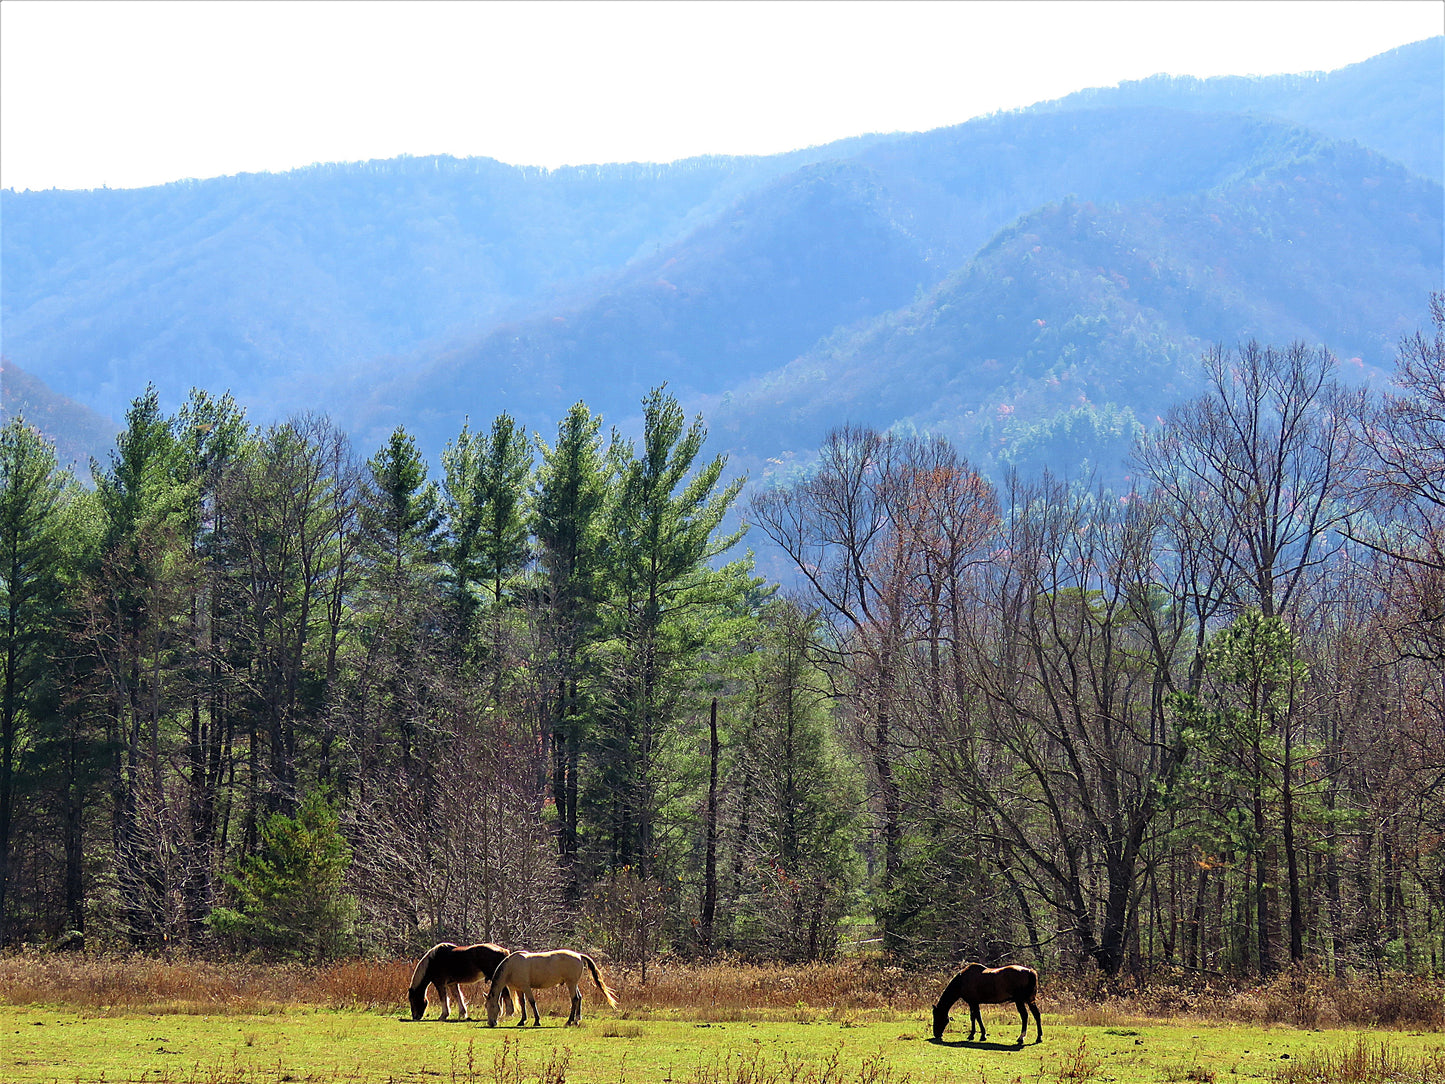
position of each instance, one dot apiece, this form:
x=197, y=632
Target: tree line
x=262, y=694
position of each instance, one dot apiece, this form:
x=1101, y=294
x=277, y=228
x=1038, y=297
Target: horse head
x=494, y=995
x=418, y=1001
x=940, y=1020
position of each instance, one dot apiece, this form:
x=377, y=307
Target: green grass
x=60, y=1045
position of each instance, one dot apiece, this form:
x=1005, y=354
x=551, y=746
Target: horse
x=979, y=985
x=447, y=966
x=528, y=971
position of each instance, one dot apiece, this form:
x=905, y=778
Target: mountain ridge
x=420, y=291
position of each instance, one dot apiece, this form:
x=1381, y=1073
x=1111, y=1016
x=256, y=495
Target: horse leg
x=977, y=1009
x=1038, y=1024
x=1023, y=1021
x=444, y=995
x=575, y=1016
x=462, y=1001
x=974, y=1020
x=531, y=997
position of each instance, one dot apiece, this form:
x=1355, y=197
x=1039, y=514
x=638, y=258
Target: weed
x=507, y=1067
x=1078, y=1066
x=752, y=1066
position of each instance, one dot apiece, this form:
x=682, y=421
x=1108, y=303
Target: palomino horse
x=978, y=985
x=447, y=966
x=528, y=971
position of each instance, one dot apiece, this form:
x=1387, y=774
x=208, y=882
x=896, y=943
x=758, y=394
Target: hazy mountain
x=1277, y=232
x=1082, y=319
x=1391, y=103
x=1032, y=283
x=78, y=433
x=248, y=282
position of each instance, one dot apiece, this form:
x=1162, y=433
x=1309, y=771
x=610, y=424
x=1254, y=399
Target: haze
x=134, y=94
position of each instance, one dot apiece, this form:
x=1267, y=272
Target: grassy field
x=170, y=1024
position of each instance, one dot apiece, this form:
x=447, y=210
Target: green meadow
x=43, y=1045
x=131, y=1019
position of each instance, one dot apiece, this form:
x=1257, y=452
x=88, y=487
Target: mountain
x=78, y=433
x=1391, y=103
x=1034, y=284
x=1092, y=317
x=247, y=282
x=1221, y=226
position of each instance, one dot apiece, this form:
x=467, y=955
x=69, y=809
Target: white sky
x=127, y=94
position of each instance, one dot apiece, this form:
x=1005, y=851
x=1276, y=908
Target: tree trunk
x=709, y=875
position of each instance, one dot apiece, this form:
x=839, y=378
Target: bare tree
x=839, y=527
x=1406, y=476
x=1269, y=456
x=1069, y=750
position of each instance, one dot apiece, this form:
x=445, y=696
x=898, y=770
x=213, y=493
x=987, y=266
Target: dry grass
x=1365, y=1061
x=195, y=986
x=844, y=992
x=1297, y=998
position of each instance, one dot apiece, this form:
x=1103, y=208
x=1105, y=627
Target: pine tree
x=31, y=496
x=290, y=897
x=661, y=521
x=567, y=501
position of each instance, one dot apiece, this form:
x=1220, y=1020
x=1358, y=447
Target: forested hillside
x=270, y=694
x=250, y=282
x=78, y=433
x=1091, y=317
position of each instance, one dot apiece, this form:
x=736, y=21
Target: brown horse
x=528, y=971
x=447, y=966
x=979, y=985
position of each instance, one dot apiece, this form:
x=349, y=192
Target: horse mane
x=509, y=961
x=418, y=977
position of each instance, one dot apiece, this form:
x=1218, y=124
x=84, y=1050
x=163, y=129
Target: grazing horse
x=528, y=971
x=447, y=966
x=979, y=985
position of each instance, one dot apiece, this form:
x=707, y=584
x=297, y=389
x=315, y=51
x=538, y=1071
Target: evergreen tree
x=485, y=491
x=505, y=464
x=214, y=439
x=661, y=521
x=400, y=517
x=1236, y=730
x=31, y=551
x=400, y=525
x=567, y=502
x=136, y=629
x=290, y=897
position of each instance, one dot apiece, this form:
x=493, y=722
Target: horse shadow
x=975, y=1044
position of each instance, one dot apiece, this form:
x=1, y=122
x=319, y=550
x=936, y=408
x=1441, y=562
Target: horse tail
x=418, y=977
x=597, y=978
